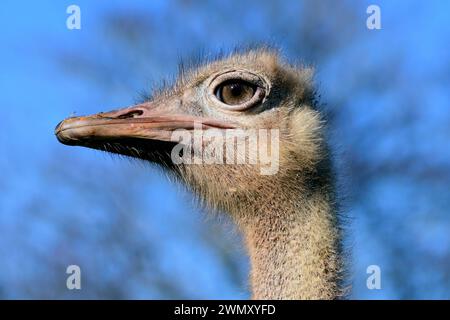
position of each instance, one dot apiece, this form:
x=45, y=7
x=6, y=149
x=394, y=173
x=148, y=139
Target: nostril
x=131, y=114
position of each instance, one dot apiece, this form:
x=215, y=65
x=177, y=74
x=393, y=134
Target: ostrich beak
x=141, y=122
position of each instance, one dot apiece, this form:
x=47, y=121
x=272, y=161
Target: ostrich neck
x=294, y=249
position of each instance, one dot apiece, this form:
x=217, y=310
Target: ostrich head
x=241, y=94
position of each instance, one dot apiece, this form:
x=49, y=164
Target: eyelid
x=261, y=88
x=241, y=75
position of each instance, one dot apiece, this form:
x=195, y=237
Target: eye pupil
x=236, y=89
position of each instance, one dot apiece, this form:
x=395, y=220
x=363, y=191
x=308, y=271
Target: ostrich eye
x=235, y=92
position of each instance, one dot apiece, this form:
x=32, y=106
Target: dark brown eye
x=235, y=92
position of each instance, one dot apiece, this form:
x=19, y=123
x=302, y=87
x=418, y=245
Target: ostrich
x=288, y=219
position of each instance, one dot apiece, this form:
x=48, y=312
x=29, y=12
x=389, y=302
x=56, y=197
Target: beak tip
x=60, y=134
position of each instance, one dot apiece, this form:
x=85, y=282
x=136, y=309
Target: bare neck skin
x=294, y=249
